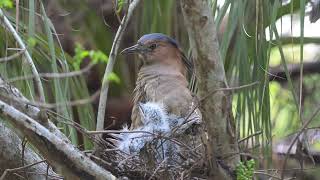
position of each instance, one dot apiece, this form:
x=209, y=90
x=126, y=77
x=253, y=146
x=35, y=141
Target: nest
x=163, y=157
x=164, y=147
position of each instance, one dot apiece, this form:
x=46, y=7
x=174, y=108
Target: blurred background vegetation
x=260, y=41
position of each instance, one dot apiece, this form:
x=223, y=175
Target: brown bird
x=162, y=78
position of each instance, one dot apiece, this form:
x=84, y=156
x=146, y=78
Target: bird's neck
x=162, y=70
x=153, y=78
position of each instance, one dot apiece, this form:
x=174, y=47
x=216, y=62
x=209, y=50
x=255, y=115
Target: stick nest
x=170, y=156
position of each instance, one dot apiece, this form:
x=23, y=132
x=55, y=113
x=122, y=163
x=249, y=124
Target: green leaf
x=120, y=5
x=98, y=56
x=113, y=77
x=80, y=54
x=245, y=171
x=32, y=42
x=6, y=4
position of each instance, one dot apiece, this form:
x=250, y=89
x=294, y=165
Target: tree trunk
x=222, y=146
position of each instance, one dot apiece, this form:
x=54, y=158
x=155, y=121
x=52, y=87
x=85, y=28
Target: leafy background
x=255, y=38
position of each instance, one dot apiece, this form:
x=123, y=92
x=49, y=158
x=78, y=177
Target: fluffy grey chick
x=155, y=122
x=156, y=127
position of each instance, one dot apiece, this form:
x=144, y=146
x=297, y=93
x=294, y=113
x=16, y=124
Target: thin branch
x=228, y=89
x=115, y=4
x=296, y=138
x=14, y=97
x=55, y=105
x=23, y=144
x=296, y=40
x=17, y=15
x=54, y=149
x=291, y=169
x=12, y=57
x=52, y=177
x=146, y=132
x=54, y=75
x=28, y=58
x=111, y=62
x=18, y=169
x=119, y=131
x=278, y=73
x=250, y=136
x=270, y=175
x=157, y=169
x=217, y=90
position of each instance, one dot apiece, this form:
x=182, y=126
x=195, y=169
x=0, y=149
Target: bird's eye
x=153, y=46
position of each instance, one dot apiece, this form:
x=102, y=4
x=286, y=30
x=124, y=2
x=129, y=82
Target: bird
x=162, y=78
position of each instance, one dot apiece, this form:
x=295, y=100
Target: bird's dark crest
x=159, y=37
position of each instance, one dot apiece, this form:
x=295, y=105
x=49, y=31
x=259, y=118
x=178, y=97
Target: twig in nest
x=159, y=166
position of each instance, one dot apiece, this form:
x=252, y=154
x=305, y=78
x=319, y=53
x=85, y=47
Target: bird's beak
x=131, y=50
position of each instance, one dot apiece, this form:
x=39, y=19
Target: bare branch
x=59, y=104
x=54, y=149
x=269, y=175
x=250, y=136
x=278, y=73
x=112, y=58
x=296, y=40
x=19, y=168
x=14, y=97
x=12, y=57
x=54, y=75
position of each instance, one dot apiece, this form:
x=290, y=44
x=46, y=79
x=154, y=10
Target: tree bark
x=11, y=156
x=222, y=146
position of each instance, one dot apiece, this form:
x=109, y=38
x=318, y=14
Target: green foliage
x=79, y=54
x=6, y=4
x=120, y=5
x=158, y=17
x=113, y=77
x=245, y=170
x=245, y=49
x=32, y=42
x=96, y=56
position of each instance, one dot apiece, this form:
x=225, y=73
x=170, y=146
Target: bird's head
x=157, y=48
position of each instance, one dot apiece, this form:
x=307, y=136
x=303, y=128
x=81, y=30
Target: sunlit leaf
x=6, y=4
x=98, y=56
x=113, y=77
x=32, y=42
